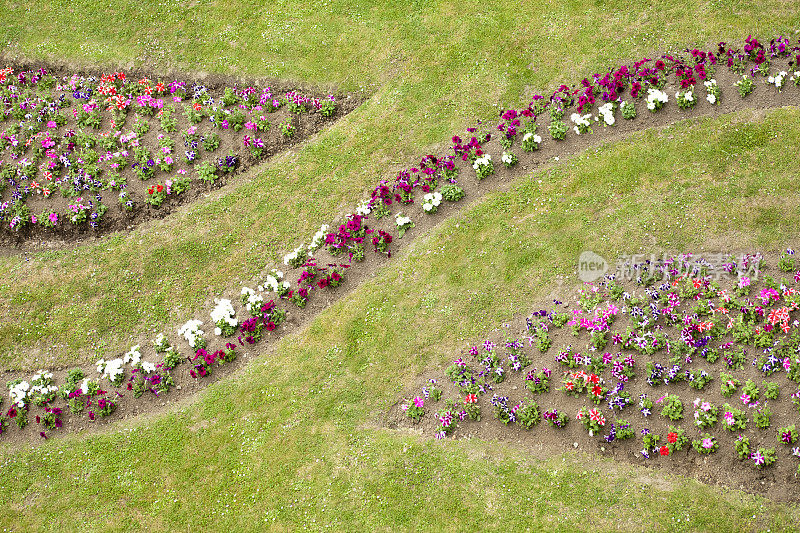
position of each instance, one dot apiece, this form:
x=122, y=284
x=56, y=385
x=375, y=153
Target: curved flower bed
x=689, y=359
x=375, y=228
x=80, y=153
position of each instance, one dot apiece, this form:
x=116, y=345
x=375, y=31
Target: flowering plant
x=112, y=370
x=745, y=86
x=713, y=92
x=606, y=112
x=509, y=159
x=582, y=123
x=431, y=202
x=193, y=334
x=403, y=224
x=483, y=166
x=787, y=435
x=556, y=419
x=531, y=141
x=762, y=417
x=706, y=444
x=628, y=110
x=733, y=419
x=528, y=414
x=676, y=439
x=763, y=457
x=705, y=414
x=538, y=382
x=729, y=384
x=778, y=79
x=656, y=99
x=223, y=316
x=685, y=98
x=592, y=419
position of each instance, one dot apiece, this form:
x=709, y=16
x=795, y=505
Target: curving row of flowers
x=685, y=327
x=73, y=147
x=341, y=247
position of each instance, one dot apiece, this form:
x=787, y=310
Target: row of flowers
x=437, y=180
x=667, y=332
x=83, y=137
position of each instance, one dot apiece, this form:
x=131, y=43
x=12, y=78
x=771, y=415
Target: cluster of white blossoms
x=274, y=282
x=252, y=300
x=191, y=332
x=777, y=79
x=292, y=256
x=112, y=369
x=364, y=209
x=606, y=111
x=536, y=138
x=481, y=161
x=319, y=237
x=133, y=356
x=656, y=99
x=223, y=313
x=431, y=201
x=19, y=393
x=401, y=220
x=711, y=88
x=582, y=122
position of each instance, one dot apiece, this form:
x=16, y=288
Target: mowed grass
x=294, y=440
x=428, y=69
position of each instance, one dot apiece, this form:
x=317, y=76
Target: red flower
x=664, y=450
x=672, y=437
x=197, y=106
x=270, y=325
x=471, y=398
x=597, y=390
x=150, y=190
x=594, y=379
x=159, y=187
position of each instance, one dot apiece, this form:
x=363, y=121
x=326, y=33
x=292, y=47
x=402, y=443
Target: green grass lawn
x=294, y=439
x=428, y=68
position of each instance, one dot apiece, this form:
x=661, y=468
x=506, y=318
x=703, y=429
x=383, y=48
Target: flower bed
x=680, y=326
x=80, y=153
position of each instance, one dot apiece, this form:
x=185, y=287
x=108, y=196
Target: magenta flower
x=419, y=402
x=708, y=443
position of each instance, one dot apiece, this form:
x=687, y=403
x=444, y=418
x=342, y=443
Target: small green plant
x=705, y=414
x=327, y=108
x=699, y=379
x=673, y=407
x=745, y=86
x=558, y=130
x=742, y=447
x=207, y=172
x=528, y=415
x=287, y=129
x=210, y=142
x=728, y=385
x=762, y=417
x=771, y=390
x=628, y=110
x=452, y=192
x=733, y=419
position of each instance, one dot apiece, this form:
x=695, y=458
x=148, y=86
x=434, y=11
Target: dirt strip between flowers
x=551, y=152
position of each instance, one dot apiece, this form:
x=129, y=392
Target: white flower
x=651, y=105
x=19, y=393
x=427, y=206
x=217, y=332
x=364, y=209
x=133, y=356
x=402, y=220
x=319, y=237
x=223, y=312
x=148, y=367
x=711, y=98
x=507, y=158
x=527, y=136
x=485, y=159
x=537, y=139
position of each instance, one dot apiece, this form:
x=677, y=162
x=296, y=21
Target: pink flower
x=419, y=402
x=745, y=398
x=708, y=443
